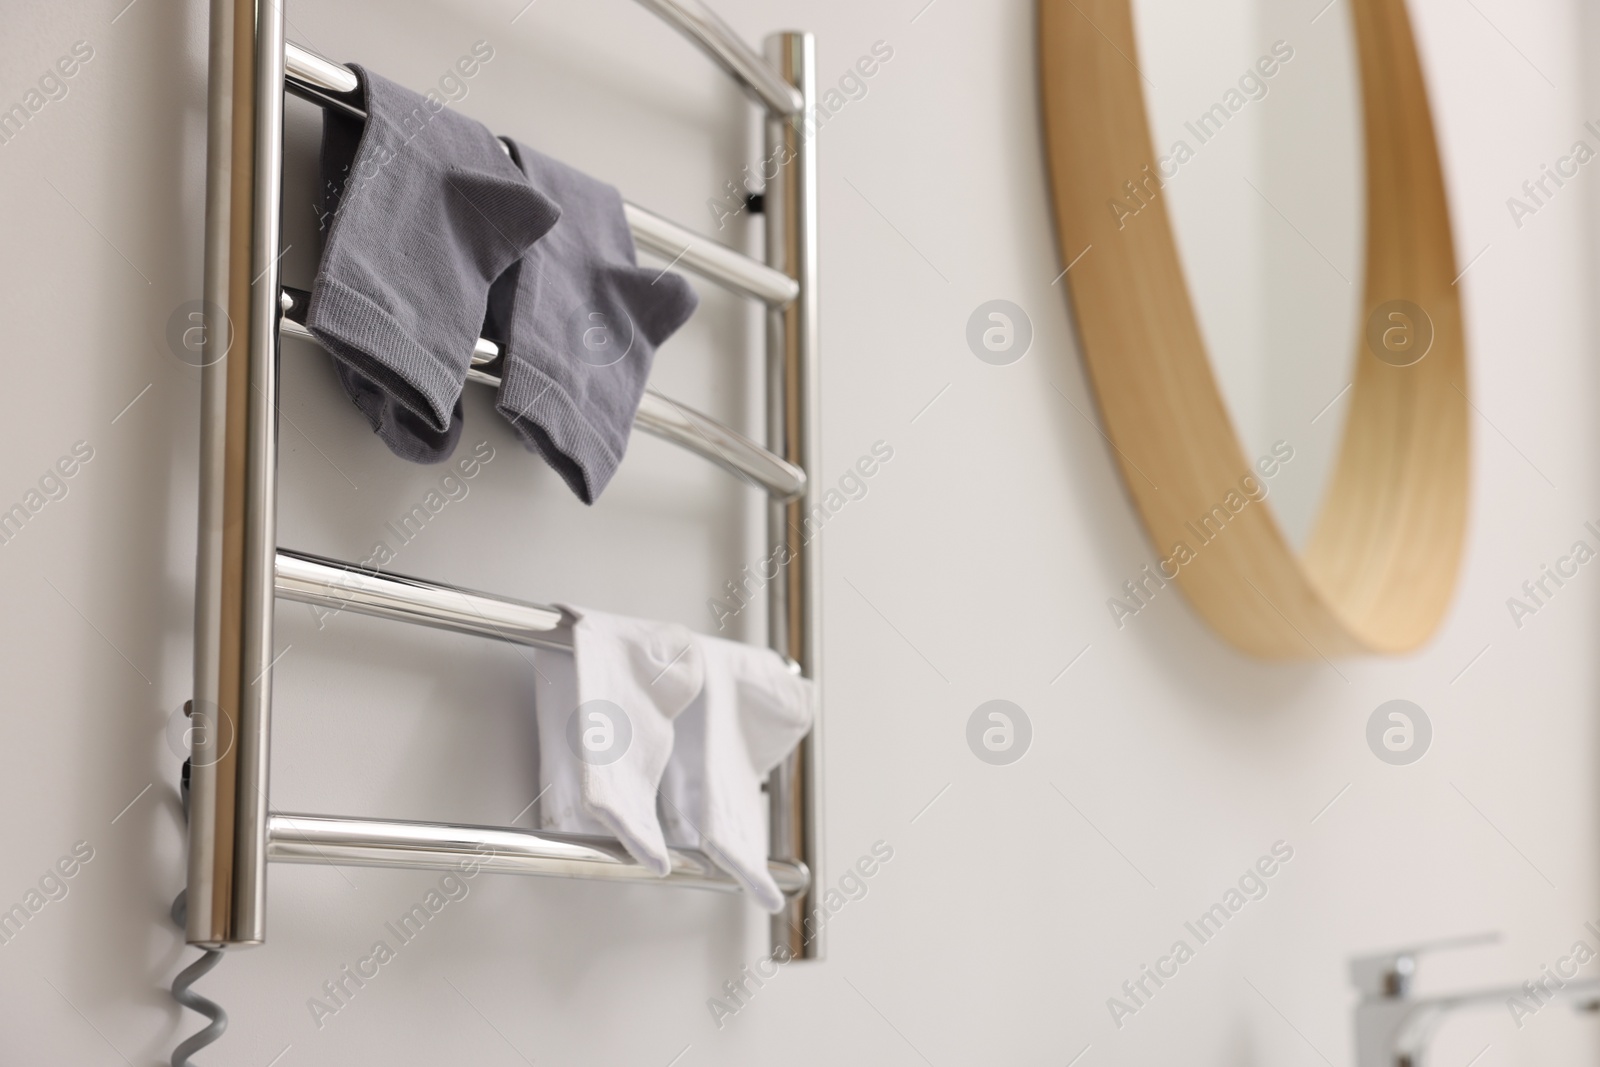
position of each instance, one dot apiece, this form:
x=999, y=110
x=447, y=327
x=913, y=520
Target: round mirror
x=1263, y=281
x=1263, y=108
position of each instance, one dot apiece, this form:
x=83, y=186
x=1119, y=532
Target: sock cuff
x=352, y=326
x=551, y=423
x=641, y=836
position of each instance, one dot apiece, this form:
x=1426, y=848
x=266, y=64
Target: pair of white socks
x=642, y=706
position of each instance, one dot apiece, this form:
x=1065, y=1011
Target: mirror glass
x=1255, y=114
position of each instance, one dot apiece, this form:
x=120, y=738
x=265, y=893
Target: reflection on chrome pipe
x=234, y=596
x=318, y=72
x=728, y=50
x=446, y=847
x=333, y=587
x=791, y=217
x=709, y=259
x=669, y=420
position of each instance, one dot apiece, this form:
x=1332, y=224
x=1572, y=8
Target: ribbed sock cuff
x=350, y=325
x=549, y=422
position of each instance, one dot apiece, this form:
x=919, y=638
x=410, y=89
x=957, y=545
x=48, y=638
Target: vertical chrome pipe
x=792, y=391
x=234, y=577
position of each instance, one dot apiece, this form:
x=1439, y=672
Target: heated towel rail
x=241, y=570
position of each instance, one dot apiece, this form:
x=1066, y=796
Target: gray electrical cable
x=194, y=1001
x=196, y=970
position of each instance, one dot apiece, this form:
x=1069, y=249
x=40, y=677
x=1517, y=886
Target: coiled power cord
x=209, y=958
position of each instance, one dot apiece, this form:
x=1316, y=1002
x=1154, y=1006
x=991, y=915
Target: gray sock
x=582, y=322
x=427, y=211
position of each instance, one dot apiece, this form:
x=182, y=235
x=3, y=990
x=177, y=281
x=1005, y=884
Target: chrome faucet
x=1393, y=1029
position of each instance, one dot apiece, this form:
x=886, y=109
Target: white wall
x=977, y=567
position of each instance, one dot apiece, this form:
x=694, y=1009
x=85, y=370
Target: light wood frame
x=1381, y=565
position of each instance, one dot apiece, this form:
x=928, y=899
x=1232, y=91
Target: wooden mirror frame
x=1381, y=565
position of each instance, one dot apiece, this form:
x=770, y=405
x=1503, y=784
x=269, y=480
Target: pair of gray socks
x=436, y=230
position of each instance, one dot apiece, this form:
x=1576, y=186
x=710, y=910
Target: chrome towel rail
x=657, y=416
x=662, y=417
x=689, y=17
x=447, y=847
x=335, y=587
x=327, y=84
x=240, y=571
x=711, y=260
x=727, y=49
x=794, y=620
x=238, y=507
x=303, y=66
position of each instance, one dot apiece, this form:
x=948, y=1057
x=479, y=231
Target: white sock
x=560, y=771
x=613, y=730
x=749, y=716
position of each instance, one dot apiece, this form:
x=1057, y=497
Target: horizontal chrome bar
x=445, y=847
x=335, y=586
x=316, y=78
x=690, y=18
x=317, y=71
x=727, y=49
x=657, y=416
x=663, y=417
x=710, y=259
